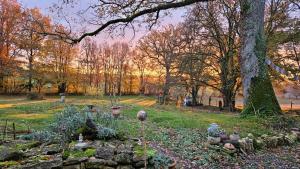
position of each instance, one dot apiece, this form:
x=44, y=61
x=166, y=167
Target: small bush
x=66, y=154
x=41, y=135
x=160, y=161
x=67, y=122
x=106, y=133
x=35, y=96
x=139, y=151
x=70, y=123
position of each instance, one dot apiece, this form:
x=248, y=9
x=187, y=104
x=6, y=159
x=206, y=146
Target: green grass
x=38, y=114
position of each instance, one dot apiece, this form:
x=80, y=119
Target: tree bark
x=142, y=86
x=167, y=85
x=195, y=90
x=259, y=95
x=120, y=81
x=30, y=60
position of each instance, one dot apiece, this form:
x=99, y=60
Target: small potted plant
x=214, y=132
x=116, y=111
x=115, y=108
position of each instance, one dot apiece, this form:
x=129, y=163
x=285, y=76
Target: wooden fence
x=10, y=130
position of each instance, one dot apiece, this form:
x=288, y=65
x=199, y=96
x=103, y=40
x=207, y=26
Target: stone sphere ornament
x=142, y=115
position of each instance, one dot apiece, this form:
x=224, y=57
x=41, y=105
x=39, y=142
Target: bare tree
x=253, y=49
x=141, y=62
x=218, y=24
x=163, y=47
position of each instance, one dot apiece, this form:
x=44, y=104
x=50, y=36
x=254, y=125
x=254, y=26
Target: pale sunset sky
x=175, y=17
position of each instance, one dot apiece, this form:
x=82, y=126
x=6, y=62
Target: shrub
x=107, y=120
x=106, y=133
x=35, y=96
x=214, y=130
x=71, y=122
x=40, y=135
x=68, y=122
x=66, y=154
x=161, y=161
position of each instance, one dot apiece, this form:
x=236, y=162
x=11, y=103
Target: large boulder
x=106, y=153
x=123, y=158
x=246, y=144
x=73, y=161
x=125, y=167
x=56, y=163
x=271, y=142
x=100, y=164
x=7, y=154
x=291, y=138
x=125, y=148
x=51, y=149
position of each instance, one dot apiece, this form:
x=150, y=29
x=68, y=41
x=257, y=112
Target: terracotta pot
x=173, y=165
x=116, y=111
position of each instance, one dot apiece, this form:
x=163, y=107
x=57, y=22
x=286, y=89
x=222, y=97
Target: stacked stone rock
x=108, y=157
x=250, y=143
x=112, y=155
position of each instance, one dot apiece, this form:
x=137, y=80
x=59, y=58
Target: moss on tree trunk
x=262, y=100
x=259, y=95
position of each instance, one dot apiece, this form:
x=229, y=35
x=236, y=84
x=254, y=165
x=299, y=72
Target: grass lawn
x=38, y=114
x=181, y=131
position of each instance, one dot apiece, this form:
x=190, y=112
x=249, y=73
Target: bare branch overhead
x=135, y=14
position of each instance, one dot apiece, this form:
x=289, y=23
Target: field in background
x=38, y=114
x=285, y=104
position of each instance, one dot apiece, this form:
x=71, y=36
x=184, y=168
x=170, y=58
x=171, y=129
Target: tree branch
x=128, y=19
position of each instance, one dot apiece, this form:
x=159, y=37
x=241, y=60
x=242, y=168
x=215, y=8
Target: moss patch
x=27, y=145
x=262, y=101
x=139, y=151
x=77, y=154
x=6, y=164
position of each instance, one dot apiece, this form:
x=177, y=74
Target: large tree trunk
x=30, y=71
x=120, y=81
x=142, y=86
x=259, y=96
x=166, y=88
x=195, y=90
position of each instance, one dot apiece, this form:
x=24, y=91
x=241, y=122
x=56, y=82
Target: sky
x=175, y=17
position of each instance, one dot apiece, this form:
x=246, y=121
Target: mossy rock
x=29, y=145
x=258, y=143
x=290, y=139
x=9, y=154
x=7, y=164
x=77, y=154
